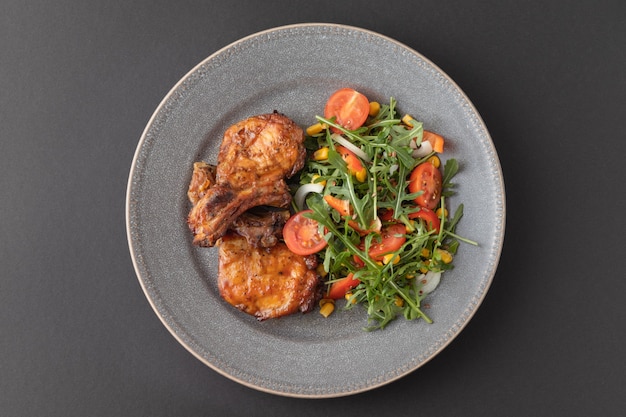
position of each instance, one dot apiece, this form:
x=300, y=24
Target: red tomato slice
x=429, y=216
x=338, y=289
x=391, y=239
x=350, y=108
x=426, y=178
x=302, y=236
x=386, y=215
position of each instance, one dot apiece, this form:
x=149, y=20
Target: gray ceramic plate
x=294, y=69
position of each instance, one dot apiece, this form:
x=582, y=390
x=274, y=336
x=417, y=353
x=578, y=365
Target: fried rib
x=255, y=158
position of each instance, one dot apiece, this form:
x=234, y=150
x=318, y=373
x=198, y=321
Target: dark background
x=79, y=81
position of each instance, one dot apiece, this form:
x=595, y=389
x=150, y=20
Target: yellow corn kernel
x=425, y=253
x=315, y=181
x=326, y=300
x=446, y=257
x=361, y=175
x=349, y=298
x=390, y=257
x=315, y=129
x=399, y=301
x=410, y=276
x=407, y=120
x=424, y=268
x=442, y=209
x=321, y=271
x=435, y=161
x=374, y=108
x=327, y=309
x=321, y=154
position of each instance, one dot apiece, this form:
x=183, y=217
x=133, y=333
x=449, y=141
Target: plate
x=293, y=69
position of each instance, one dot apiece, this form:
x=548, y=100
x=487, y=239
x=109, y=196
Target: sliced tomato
x=429, y=216
x=338, y=289
x=426, y=178
x=302, y=235
x=391, y=239
x=349, y=107
x=386, y=215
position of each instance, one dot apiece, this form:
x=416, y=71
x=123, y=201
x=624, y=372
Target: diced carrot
x=342, y=206
x=435, y=140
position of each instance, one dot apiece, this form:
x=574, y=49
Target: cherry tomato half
x=426, y=178
x=350, y=108
x=391, y=239
x=338, y=289
x=302, y=235
x=429, y=216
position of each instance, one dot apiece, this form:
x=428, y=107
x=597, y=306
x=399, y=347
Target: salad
x=371, y=202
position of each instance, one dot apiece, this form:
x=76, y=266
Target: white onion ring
x=304, y=190
x=424, y=149
x=350, y=146
x=432, y=281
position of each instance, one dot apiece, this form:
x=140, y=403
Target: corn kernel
x=327, y=309
x=361, y=175
x=446, y=257
x=390, y=257
x=399, y=301
x=425, y=253
x=374, y=108
x=407, y=120
x=326, y=300
x=349, y=298
x=315, y=129
x=321, y=271
x=314, y=180
x=435, y=161
x=439, y=212
x=321, y=154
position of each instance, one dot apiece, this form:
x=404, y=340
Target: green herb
x=392, y=289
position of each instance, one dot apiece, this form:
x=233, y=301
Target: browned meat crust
x=266, y=282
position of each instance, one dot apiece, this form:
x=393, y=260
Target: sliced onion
x=393, y=168
x=424, y=149
x=304, y=190
x=431, y=281
x=350, y=146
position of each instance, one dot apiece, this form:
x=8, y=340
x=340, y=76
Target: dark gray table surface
x=79, y=81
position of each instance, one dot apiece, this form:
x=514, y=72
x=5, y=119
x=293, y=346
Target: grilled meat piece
x=255, y=158
x=202, y=178
x=261, y=228
x=266, y=282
